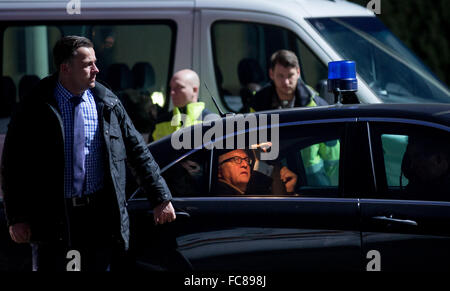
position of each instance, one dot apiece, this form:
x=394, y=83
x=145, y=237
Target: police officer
x=184, y=89
x=287, y=90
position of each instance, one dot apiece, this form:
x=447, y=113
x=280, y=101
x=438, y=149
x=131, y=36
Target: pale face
x=285, y=79
x=234, y=173
x=79, y=73
x=182, y=91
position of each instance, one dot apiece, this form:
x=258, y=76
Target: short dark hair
x=65, y=48
x=285, y=58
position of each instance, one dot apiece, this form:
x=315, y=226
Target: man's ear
x=195, y=89
x=271, y=74
x=64, y=68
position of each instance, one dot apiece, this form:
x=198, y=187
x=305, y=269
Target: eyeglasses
x=238, y=160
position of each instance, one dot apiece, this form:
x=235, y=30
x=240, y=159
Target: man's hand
x=20, y=233
x=289, y=179
x=164, y=213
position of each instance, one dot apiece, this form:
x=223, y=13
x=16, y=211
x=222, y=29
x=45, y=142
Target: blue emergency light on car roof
x=342, y=76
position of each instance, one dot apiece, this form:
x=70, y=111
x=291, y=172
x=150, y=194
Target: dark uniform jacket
x=267, y=98
x=195, y=113
x=33, y=162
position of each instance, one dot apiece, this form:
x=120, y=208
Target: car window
x=321, y=163
x=315, y=160
x=311, y=153
x=414, y=163
x=189, y=177
x=242, y=73
x=394, y=147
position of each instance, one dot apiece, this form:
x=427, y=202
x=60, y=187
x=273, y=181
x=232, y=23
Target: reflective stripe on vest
x=193, y=116
x=322, y=156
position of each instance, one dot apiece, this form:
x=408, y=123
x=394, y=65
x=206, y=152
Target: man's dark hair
x=65, y=48
x=285, y=58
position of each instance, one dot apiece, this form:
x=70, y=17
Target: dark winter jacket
x=33, y=162
x=267, y=98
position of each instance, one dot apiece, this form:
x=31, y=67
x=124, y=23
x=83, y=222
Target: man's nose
x=245, y=164
x=95, y=69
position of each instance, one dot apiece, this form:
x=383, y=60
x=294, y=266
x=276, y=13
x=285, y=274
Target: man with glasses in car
x=236, y=176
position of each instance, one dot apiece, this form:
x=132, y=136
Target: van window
x=134, y=59
x=245, y=70
x=390, y=69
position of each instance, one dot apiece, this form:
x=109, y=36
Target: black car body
x=367, y=219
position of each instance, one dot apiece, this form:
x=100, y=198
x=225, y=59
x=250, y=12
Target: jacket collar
x=45, y=92
x=302, y=97
x=104, y=95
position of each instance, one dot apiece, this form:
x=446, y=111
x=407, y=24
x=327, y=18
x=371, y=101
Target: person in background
x=187, y=111
x=287, y=90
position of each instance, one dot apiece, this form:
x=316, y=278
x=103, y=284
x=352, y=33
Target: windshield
x=386, y=65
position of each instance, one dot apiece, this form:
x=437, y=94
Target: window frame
x=343, y=123
x=339, y=124
x=296, y=42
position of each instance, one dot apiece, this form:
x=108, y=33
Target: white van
x=141, y=43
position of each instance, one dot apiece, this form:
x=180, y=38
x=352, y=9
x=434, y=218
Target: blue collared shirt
x=93, y=145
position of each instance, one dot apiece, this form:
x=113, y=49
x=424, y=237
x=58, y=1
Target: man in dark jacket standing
x=63, y=167
x=286, y=90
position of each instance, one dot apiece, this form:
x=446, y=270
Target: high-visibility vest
x=321, y=160
x=193, y=116
x=322, y=157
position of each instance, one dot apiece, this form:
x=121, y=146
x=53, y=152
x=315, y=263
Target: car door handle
x=395, y=220
x=182, y=214
x=179, y=214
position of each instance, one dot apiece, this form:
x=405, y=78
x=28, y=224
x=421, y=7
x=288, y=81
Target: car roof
x=432, y=112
